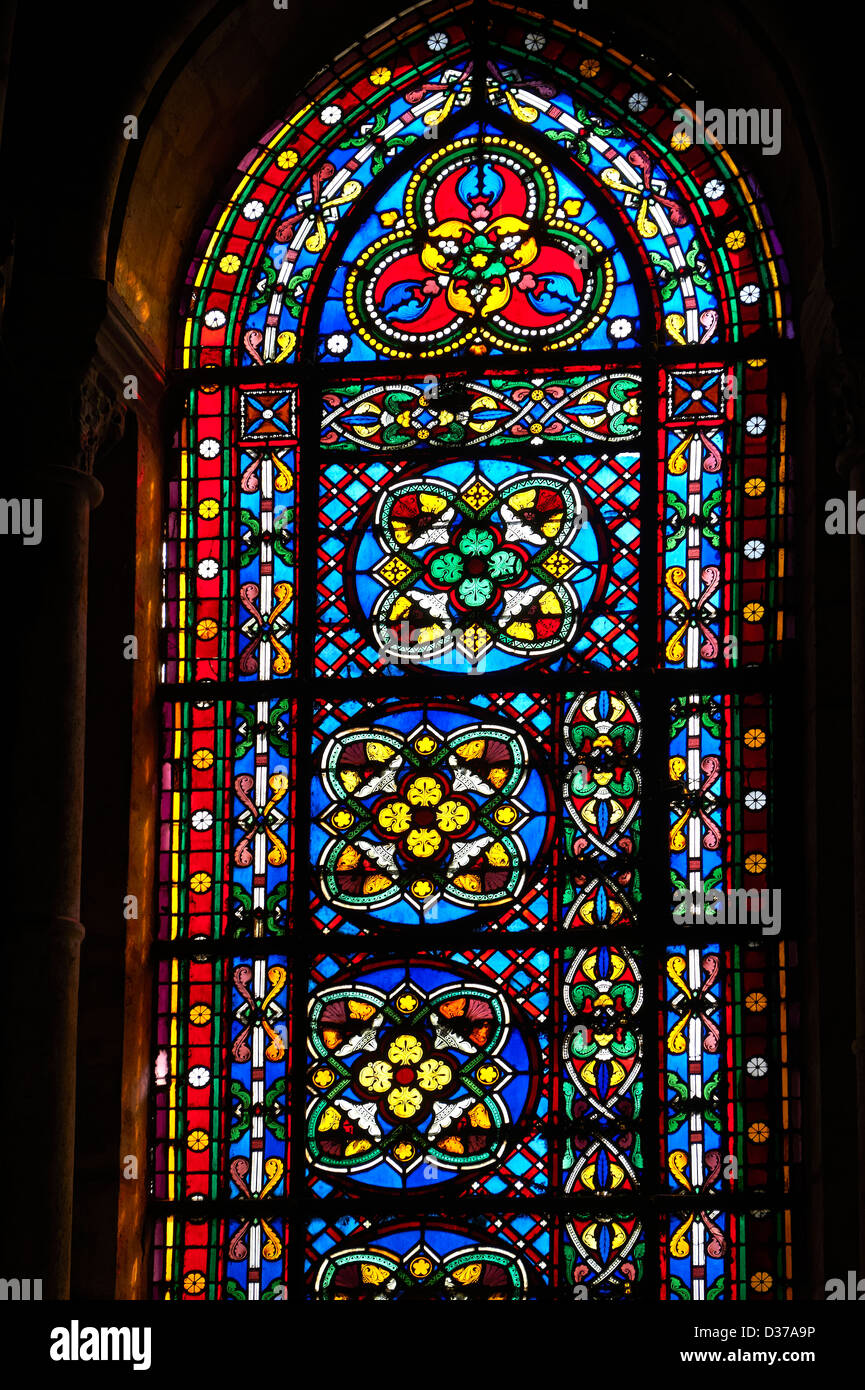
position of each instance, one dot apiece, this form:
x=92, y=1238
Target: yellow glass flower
x=395, y=817
x=755, y=738
x=755, y=863
x=376, y=1076
x=423, y=843
x=202, y=758
x=452, y=815
x=433, y=1074
x=405, y=1049
x=405, y=1101
x=424, y=791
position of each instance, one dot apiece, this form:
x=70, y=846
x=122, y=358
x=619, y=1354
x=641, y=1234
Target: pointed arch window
x=472, y=598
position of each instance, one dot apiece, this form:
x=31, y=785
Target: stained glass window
x=473, y=584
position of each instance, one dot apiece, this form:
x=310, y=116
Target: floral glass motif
x=443, y=547
x=427, y=815
x=415, y=1083
x=438, y=1260
x=502, y=259
x=478, y=565
x=501, y=565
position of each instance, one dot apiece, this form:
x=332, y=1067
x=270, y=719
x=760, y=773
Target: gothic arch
x=212, y=312
x=214, y=83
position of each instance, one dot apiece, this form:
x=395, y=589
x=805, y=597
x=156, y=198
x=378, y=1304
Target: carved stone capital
x=101, y=419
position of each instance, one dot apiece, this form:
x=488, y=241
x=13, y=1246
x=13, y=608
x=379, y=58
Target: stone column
x=63, y=425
